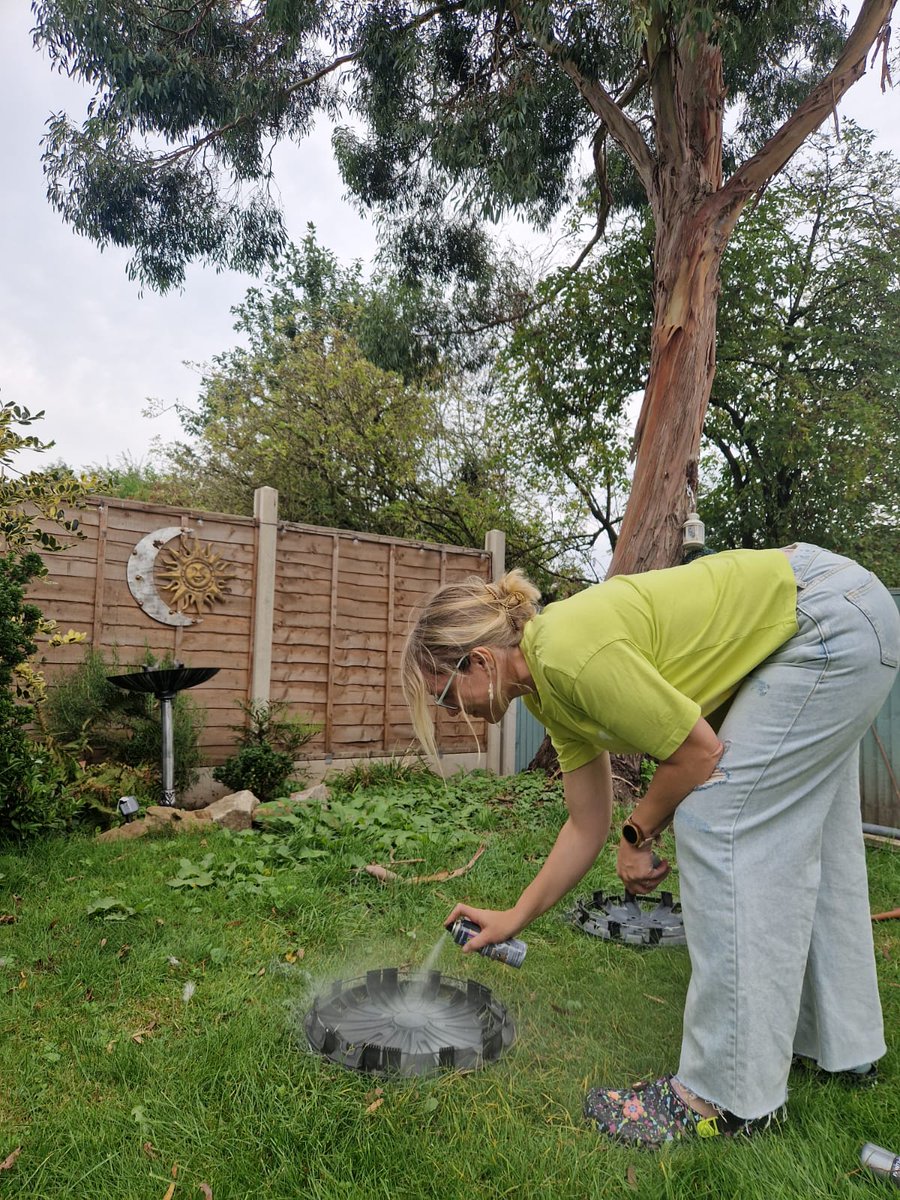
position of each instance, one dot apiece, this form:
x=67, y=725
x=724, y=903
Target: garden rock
x=234, y=812
x=318, y=792
x=157, y=818
x=125, y=833
x=160, y=815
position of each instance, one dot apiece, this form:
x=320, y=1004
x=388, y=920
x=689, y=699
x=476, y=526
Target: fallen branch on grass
x=387, y=876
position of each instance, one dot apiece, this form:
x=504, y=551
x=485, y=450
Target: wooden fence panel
x=342, y=606
x=87, y=588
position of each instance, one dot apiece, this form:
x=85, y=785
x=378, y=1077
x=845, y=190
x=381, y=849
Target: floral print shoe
x=651, y=1114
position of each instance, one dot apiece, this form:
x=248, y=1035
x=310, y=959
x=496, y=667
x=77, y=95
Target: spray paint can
x=883, y=1162
x=512, y=951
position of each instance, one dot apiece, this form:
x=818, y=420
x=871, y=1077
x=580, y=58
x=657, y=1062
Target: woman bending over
x=751, y=677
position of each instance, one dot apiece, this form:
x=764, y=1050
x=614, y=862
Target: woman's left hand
x=637, y=871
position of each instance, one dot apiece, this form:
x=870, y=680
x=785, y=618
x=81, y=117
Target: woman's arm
x=676, y=777
x=588, y=793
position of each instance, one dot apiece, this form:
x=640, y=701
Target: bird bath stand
x=165, y=683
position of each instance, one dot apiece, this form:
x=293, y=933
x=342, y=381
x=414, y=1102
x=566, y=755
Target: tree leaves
x=461, y=101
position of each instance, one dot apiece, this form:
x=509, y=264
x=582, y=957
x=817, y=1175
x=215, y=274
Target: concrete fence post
x=501, y=740
x=265, y=512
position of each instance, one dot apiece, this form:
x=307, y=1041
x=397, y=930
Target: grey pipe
x=881, y=830
x=168, y=750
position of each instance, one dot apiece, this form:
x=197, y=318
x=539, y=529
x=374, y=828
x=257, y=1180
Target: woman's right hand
x=495, y=925
x=640, y=870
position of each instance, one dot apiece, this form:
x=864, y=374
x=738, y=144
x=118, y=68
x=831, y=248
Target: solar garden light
x=127, y=807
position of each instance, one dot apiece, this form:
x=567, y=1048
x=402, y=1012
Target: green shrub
x=105, y=724
x=258, y=769
x=21, y=787
x=268, y=744
x=267, y=725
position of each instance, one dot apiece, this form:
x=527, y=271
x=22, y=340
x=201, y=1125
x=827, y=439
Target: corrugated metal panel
x=529, y=735
x=879, y=761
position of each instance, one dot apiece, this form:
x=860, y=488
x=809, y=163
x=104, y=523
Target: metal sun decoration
x=197, y=575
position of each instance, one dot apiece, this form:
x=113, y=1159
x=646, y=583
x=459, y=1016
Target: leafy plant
x=33, y=797
x=105, y=724
x=267, y=725
x=190, y=875
x=395, y=820
x=109, y=908
x=258, y=769
x=389, y=773
x=268, y=744
x=35, y=793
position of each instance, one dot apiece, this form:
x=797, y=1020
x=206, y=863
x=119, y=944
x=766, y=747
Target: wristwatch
x=634, y=835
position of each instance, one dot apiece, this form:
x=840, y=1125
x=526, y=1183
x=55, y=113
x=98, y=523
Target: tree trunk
x=682, y=366
x=688, y=103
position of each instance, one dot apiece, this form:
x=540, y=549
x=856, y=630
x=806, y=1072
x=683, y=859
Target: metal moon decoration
x=141, y=582
x=196, y=575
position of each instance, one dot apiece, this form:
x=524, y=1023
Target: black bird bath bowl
x=396, y=1023
x=165, y=683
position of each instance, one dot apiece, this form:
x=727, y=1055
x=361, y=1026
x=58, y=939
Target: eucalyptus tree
x=476, y=108
x=802, y=436
x=804, y=416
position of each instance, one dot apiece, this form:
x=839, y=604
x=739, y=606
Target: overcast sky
x=78, y=341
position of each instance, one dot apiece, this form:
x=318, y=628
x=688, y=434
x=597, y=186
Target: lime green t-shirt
x=630, y=665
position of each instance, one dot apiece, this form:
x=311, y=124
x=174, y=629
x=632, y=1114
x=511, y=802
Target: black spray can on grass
x=511, y=952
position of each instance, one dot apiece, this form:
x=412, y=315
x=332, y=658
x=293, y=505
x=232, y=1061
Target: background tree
x=485, y=102
x=805, y=409
x=571, y=369
x=802, y=434
x=422, y=449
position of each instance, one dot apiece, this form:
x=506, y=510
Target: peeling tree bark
x=691, y=234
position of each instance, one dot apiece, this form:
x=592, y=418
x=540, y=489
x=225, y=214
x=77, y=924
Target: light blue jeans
x=771, y=857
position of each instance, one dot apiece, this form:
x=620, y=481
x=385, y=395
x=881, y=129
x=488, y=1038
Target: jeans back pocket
x=877, y=604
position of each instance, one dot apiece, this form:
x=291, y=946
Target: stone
x=318, y=792
x=157, y=817
x=125, y=833
x=162, y=814
x=234, y=812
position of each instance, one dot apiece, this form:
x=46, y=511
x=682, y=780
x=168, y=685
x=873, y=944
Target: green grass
x=108, y=1077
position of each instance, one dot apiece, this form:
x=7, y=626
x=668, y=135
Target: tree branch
x=625, y=131
x=871, y=27
x=306, y=81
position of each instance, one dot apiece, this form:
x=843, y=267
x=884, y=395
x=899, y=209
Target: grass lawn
x=151, y=995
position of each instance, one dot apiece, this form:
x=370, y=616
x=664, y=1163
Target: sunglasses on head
x=441, y=701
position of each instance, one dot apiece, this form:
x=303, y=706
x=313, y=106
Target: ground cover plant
x=150, y=995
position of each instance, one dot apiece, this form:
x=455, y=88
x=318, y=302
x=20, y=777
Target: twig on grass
x=386, y=876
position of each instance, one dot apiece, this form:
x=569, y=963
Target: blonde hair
x=457, y=618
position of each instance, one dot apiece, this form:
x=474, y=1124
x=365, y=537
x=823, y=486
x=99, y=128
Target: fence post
x=501, y=739
x=265, y=512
